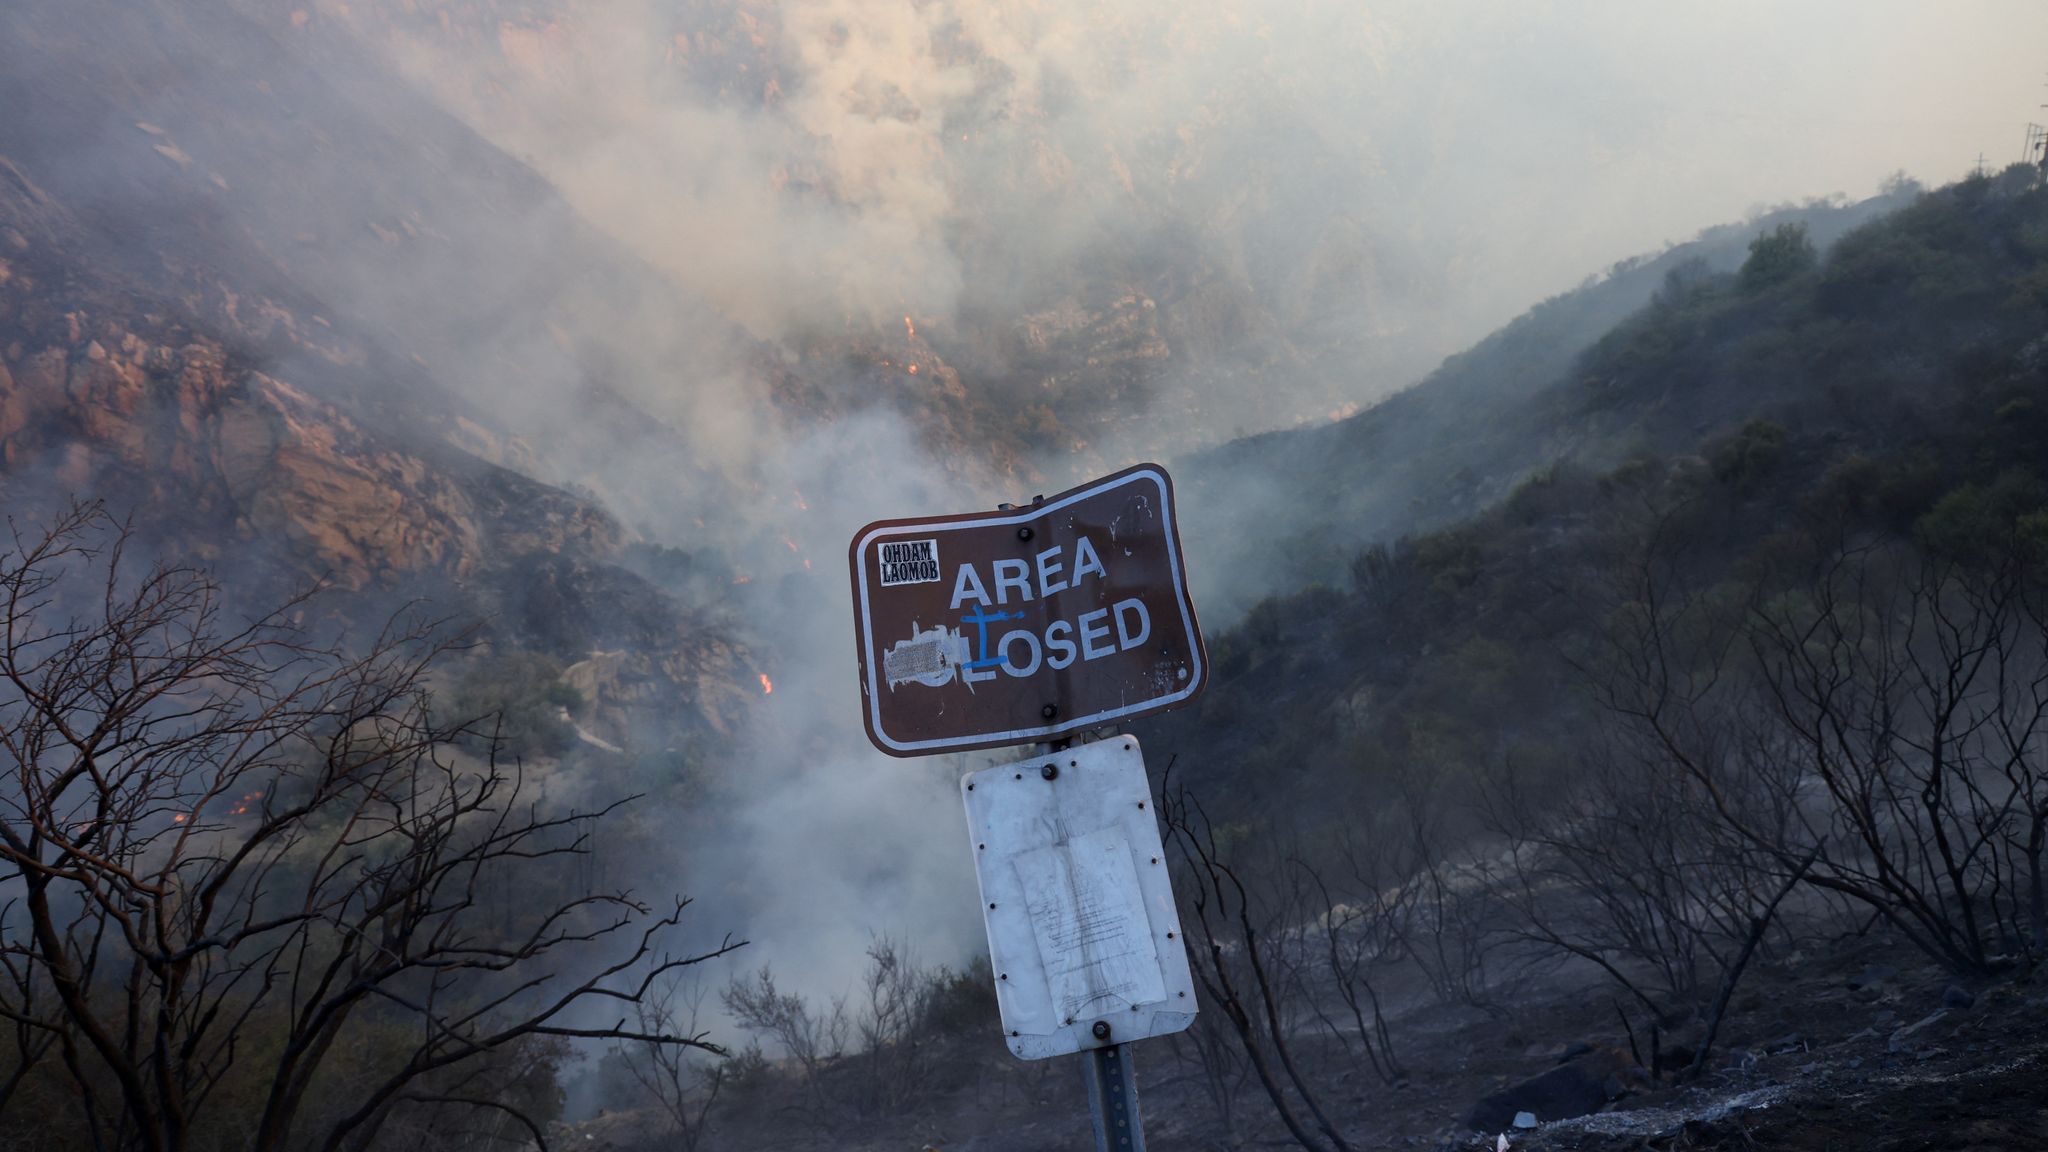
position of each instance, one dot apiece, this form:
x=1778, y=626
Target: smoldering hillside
x=608, y=324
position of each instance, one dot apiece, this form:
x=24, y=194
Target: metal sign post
x=1113, y=1101
x=1026, y=626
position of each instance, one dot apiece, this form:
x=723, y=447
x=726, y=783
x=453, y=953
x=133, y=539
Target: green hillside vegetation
x=1863, y=503
x=1270, y=513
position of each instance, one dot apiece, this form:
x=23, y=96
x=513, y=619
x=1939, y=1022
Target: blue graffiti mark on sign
x=981, y=620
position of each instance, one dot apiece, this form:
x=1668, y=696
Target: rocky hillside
x=253, y=434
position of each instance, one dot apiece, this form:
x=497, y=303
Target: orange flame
x=767, y=685
x=178, y=818
x=913, y=369
x=909, y=328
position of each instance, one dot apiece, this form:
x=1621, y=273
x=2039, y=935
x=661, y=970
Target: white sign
x=1082, y=927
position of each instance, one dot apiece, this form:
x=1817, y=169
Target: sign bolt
x=1050, y=771
x=1101, y=1029
x=1024, y=533
x=1049, y=711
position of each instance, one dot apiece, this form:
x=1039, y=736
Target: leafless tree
x=1911, y=686
x=894, y=1029
x=1446, y=920
x=814, y=1039
x=1360, y=928
x=1220, y=1063
x=684, y=1088
x=1871, y=708
x=866, y=1058
x=243, y=867
x=1233, y=968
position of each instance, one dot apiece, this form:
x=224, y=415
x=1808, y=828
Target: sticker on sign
x=1008, y=627
x=1082, y=927
x=909, y=562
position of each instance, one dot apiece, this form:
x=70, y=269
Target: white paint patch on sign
x=1082, y=926
x=932, y=657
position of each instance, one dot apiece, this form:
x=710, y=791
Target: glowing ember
x=801, y=504
x=767, y=685
x=913, y=369
x=743, y=579
x=178, y=818
x=909, y=328
x=791, y=543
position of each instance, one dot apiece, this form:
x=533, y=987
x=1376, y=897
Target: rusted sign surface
x=1008, y=627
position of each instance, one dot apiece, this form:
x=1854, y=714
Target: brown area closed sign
x=1010, y=627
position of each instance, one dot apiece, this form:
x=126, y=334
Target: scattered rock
x=1899, y=1038
x=1571, y=1052
x=1793, y=1043
x=1577, y=1088
x=1957, y=996
x=1871, y=976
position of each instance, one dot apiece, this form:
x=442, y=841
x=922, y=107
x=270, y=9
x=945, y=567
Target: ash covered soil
x=1866, y=1048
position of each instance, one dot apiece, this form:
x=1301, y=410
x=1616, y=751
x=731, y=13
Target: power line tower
x=2036, y=152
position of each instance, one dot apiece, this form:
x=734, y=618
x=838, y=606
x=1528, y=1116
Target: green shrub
x=521, y=697
x=1777, y=256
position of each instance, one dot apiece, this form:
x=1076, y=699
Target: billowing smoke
x=1326, y=197
x=1270, y=211
x=1329, y=196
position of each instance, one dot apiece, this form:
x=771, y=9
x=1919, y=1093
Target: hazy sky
x=1660, y=119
